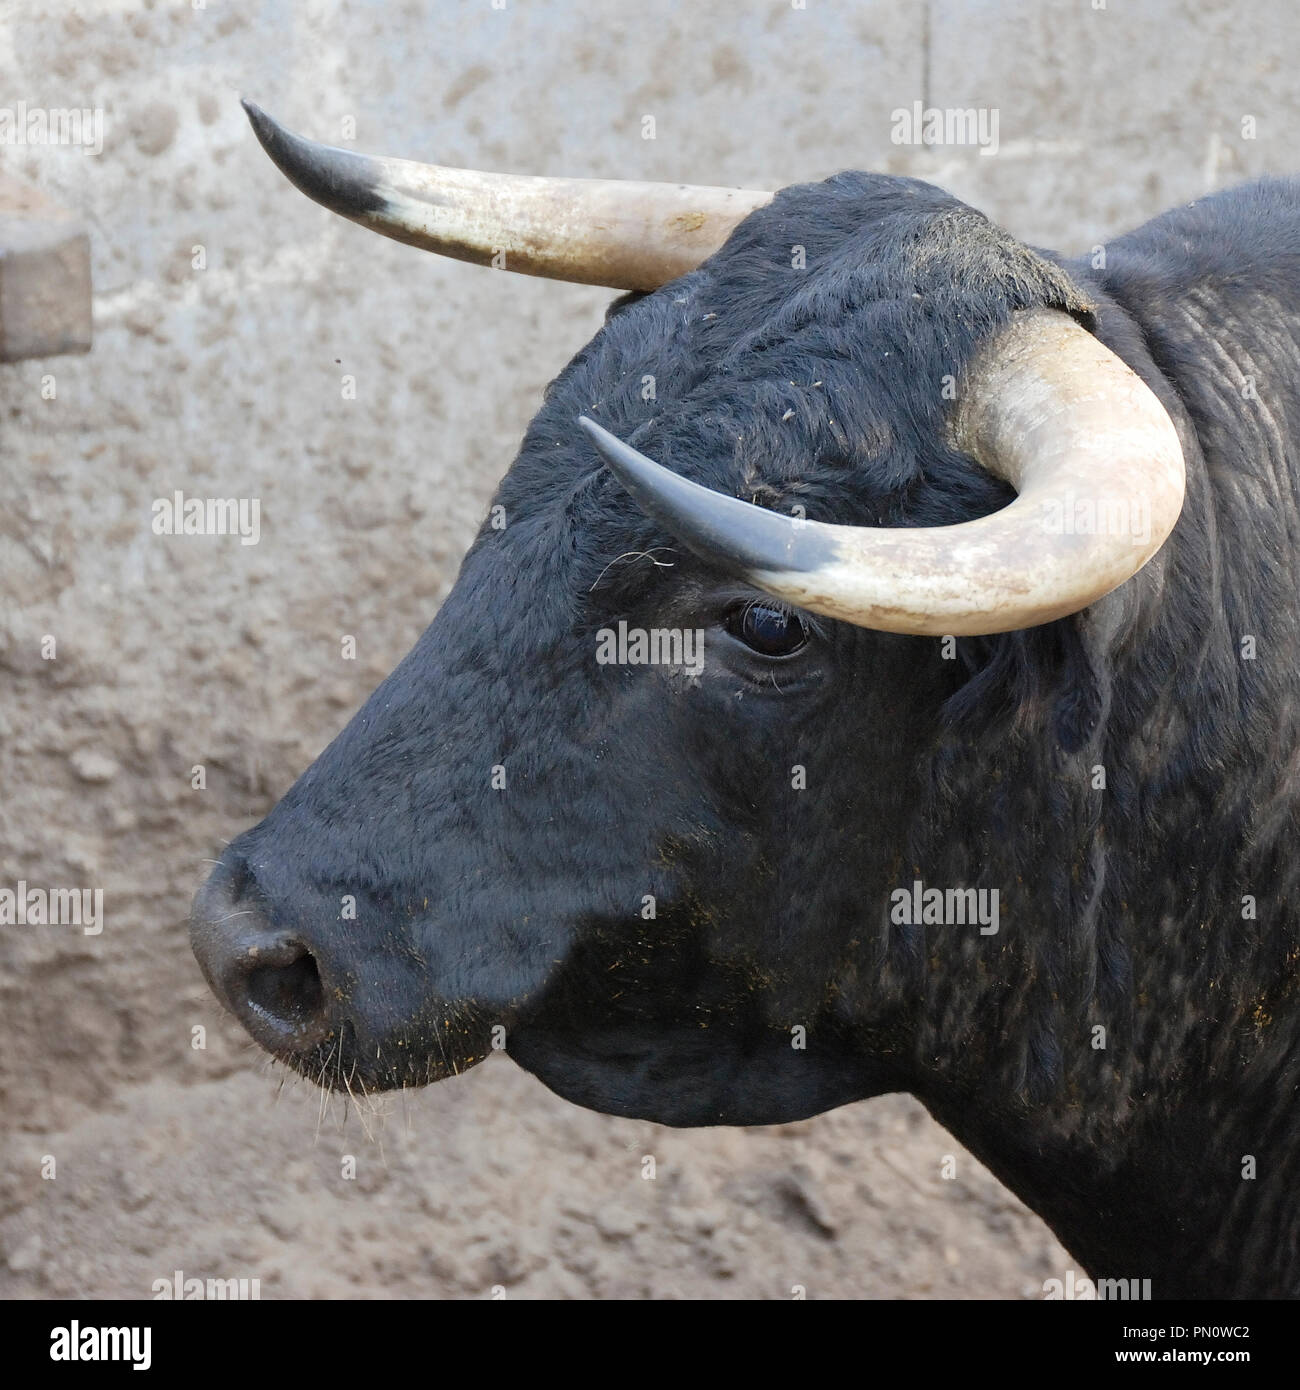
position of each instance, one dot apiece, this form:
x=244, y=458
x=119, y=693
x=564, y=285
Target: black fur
x=1122, y=907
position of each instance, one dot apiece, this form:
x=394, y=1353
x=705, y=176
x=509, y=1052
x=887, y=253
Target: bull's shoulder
x=1231, y=249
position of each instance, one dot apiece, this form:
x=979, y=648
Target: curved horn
x=628, y=236
x=1090, y=450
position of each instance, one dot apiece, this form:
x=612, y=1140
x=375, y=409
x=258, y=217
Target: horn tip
x=278, y=142
x=340, y=180
x=610, y=447
x=263, y=126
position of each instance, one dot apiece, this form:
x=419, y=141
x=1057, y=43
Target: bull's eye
x=768, y=628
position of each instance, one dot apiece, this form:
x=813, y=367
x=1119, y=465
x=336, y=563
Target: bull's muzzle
x=265, y=975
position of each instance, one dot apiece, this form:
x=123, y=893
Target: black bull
x=675, y=893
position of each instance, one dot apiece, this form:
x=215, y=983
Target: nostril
x=263, y=973
x=288, y=994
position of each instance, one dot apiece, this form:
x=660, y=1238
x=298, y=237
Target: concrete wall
x=173, y=652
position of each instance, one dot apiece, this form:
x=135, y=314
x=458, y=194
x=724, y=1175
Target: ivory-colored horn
x=1093, y=456
x=628, y=236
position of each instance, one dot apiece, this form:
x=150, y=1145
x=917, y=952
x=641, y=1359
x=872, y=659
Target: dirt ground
x=491, y=1181
x=128, y=1153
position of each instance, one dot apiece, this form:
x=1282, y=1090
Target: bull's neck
x=1124, y=1051
x=1199, y=1193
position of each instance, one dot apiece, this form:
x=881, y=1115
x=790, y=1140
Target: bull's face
x=643, y=875
x=627, y=809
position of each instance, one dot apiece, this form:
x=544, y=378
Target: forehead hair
x=805, y=362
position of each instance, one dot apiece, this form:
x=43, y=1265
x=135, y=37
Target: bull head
x=525, y=905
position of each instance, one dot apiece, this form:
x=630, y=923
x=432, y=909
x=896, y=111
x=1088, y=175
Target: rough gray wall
x=172, y=652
